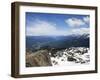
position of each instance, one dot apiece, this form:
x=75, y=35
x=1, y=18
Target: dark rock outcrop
x=39, y=58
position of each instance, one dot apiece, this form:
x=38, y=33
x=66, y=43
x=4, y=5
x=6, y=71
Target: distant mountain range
x=57, y=41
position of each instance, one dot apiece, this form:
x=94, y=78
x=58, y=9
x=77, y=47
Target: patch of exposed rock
x=38, y=58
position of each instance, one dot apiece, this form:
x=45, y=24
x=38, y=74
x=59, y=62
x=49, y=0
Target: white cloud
x=75, y=22
x=44, y=28
x=81, y=31
x=86, y=19
x=39, y=28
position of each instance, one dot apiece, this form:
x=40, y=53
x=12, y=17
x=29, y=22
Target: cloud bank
x=42, y=28
x=45, y=28
x=75, y=22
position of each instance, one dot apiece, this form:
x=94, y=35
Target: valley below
x=57, y=50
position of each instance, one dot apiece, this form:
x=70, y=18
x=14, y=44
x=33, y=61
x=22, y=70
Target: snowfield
x=71, y=56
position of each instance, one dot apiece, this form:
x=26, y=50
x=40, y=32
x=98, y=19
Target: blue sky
x=41, y=24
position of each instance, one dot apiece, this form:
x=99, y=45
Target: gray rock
x=39, y=58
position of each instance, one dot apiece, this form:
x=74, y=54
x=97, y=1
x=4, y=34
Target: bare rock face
x=39, y=58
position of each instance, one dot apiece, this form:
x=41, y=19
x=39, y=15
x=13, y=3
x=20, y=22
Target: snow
x=71, y=56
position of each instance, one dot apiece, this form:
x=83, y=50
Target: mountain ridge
x=58, y=41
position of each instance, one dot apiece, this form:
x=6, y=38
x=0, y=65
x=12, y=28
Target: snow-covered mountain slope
x=70, y=56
